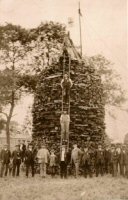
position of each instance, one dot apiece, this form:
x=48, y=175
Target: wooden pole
x=79, y=12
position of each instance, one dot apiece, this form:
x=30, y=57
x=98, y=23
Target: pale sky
x=104, y=25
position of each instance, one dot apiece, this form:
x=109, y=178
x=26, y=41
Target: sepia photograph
x=63, y=100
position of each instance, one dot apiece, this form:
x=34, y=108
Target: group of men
x=77, y=161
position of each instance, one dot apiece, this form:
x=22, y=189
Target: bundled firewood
x=86, y=105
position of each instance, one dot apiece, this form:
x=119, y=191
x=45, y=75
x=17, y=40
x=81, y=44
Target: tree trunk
x=8, y=133
x=9, y=119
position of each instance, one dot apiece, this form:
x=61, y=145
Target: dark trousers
x=22, y=156
x=122, y=169
x=4, y=169
x=53, y=171
x=66, y=95
x=99, y=169
x=107, y=167
x=126, y=172
x=16, y=167
x=114, y=169
x=63, y=169
x=28, y=166
x=87, y=170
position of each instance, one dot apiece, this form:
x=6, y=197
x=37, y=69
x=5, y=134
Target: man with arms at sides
x=43, y=156
x=5, y=158
x=30, y=156
x=76, y=159
x=16, y=160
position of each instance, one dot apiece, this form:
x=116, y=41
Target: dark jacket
x=16, y=155
x=5, y=156
x=107, y=156
x=23, y=148
x=67, y=157
x=30, y=156
x=99, y=157
x=122, y=158
x=114, y=157
x=87, y=158
x=126, y=158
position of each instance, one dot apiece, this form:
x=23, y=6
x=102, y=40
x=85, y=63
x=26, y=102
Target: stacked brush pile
x=87, y=109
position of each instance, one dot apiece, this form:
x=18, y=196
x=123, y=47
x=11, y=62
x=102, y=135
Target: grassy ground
x=101, y=188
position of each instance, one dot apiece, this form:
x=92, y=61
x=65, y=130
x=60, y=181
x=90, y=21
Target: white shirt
x=62, y=155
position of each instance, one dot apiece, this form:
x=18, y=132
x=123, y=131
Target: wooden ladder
x=66, y=106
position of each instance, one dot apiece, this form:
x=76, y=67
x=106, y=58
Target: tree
x=23, y=54
x=13, y=48
x=45, y=48
x=2, y=124
x=46, y=44
x=113, y=93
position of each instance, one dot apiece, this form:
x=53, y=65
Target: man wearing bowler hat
x=5, y=160
x=63, y=161
x=30, y=156
x=16, y=160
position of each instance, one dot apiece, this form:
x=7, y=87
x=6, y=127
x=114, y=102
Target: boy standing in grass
x=53, y=163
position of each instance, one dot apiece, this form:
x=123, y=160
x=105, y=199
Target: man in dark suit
x=64, y=160
x=126, y=161
x=16, y=160
x=114, y=160
x=107, y=155
x=30, y=156
x=22, y=149
x=99, y=161
x=5, y=160
x=87, y=162
x=122, y=160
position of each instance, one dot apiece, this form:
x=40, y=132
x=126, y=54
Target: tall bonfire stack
x=86, y=105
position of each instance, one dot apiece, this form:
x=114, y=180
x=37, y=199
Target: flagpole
x=79, y=11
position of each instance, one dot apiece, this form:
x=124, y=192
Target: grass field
x=101, y=188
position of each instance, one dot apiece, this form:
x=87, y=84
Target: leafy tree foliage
x=13, y=48
x=113, y=93
x=23, y=54
x=46, y=44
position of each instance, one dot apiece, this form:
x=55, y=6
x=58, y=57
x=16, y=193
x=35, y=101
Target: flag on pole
x=79, y=11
